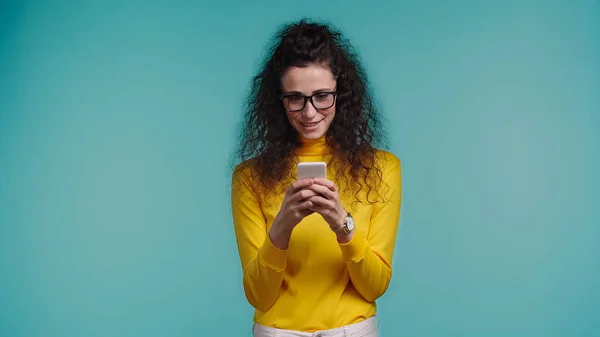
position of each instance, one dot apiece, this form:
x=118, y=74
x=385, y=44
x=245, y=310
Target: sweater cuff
x=354, y=250
x=271, y=256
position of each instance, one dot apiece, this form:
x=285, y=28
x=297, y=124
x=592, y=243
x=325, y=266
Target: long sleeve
x=369, y=259
x=262, y=263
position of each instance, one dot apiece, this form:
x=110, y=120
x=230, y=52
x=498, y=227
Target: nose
x=309, y=111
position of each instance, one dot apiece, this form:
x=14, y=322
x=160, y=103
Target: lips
x=310, y=125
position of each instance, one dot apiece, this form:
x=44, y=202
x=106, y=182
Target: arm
x=262, y=263
x=369, y=260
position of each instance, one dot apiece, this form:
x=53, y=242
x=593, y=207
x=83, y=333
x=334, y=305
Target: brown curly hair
x=355, y=133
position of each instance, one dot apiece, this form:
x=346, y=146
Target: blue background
x=117, y=120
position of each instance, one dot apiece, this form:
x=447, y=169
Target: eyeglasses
x=297, y=102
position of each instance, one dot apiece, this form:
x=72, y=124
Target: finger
x=300, y=184
x=326, y=182
x=323, y=210
x=321, y=202
x=324, y=191
x=304, y=206
x=302, y=194
x=306, y=212
x=318, y=209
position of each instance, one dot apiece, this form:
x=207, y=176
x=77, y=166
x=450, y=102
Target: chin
x=312, y=136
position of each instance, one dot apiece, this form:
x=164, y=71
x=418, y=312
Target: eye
x=322, y=97
x=295, y=98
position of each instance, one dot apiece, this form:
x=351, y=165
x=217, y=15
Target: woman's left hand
x=328, y=203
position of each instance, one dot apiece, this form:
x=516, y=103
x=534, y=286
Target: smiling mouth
x=308, y=125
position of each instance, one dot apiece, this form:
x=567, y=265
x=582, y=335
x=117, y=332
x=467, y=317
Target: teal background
x=117, y=120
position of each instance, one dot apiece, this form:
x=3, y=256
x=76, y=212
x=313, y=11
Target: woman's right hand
x=294, y=208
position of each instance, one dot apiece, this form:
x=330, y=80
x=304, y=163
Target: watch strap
x=344, y=229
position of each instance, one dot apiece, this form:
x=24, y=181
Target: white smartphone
x=308, y=170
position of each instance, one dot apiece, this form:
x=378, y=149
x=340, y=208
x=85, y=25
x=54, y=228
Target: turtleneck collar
x=312, y=147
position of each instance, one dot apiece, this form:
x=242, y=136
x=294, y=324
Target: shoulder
x=244, y=172
x=243, y=167
x=387, y=161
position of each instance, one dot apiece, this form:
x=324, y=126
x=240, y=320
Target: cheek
x=329, y=114
x=292, y=119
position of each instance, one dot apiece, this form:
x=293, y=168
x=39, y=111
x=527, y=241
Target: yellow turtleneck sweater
x=317, y=283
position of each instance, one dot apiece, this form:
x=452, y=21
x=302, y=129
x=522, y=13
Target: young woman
x=316, y=253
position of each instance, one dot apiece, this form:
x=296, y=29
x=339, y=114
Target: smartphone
x=308, y=170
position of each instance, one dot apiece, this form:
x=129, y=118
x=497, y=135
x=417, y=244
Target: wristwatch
x=348, y=225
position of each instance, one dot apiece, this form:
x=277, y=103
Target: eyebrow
x=294, y=92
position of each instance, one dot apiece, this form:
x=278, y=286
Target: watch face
x=350, y=223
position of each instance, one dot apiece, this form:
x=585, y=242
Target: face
x=316, y=81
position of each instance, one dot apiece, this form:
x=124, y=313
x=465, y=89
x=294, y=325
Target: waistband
x=367, y=327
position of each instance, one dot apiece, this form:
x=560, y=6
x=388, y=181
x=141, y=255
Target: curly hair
x=355, y=132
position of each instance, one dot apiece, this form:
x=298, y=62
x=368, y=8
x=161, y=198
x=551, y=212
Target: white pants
x=366, y=328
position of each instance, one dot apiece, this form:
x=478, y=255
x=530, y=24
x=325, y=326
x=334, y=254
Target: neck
x=312, y=146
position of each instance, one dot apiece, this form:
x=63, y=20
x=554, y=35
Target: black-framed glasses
x=297, y=102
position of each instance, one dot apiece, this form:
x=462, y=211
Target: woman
x=317, y=253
